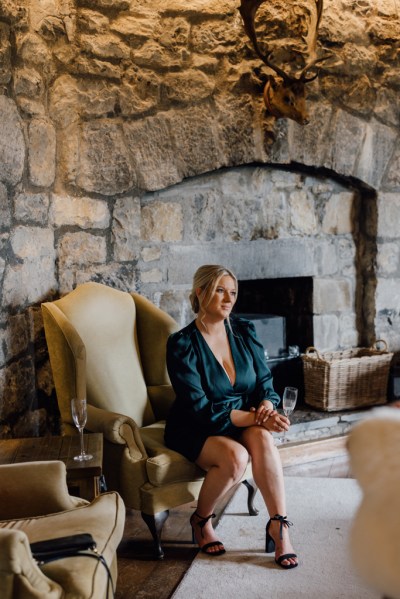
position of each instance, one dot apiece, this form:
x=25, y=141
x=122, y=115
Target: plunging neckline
x=216, y=359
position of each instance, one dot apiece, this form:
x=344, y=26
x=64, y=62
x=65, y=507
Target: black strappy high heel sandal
x=270, y=543
x=201, y=522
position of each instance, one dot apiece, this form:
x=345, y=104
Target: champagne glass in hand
x=79, y=414
x=288, y=404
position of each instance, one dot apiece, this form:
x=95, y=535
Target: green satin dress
x=205, y=396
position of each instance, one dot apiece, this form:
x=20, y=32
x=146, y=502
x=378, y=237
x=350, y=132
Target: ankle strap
x=203, y=521
x=283, y=522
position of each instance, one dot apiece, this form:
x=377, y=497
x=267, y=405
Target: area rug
x=321, y=510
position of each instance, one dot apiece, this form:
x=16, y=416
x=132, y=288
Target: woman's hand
x=263, y=412
x=277, y=423
x=269, y=418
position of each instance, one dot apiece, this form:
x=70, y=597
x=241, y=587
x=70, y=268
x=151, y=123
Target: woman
x=224, y=410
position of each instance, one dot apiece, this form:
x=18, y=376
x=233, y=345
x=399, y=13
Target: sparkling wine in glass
x=79, y=415
x=288, y=403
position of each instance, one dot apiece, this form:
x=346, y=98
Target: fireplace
x=281, y=310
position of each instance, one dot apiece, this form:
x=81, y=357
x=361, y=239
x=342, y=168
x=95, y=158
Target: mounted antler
x=284, y=94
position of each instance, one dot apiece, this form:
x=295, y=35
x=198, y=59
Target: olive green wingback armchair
x=109, y=346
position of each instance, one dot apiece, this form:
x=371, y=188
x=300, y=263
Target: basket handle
x=375, y=347
x=312, y=350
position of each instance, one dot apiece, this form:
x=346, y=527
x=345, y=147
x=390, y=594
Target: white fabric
x=322, y=511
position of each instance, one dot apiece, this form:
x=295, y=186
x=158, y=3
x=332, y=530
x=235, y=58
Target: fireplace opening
x=289, y=298
x=281, y=310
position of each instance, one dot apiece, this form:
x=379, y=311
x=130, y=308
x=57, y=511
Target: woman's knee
x=235, y=460
x=256, y=436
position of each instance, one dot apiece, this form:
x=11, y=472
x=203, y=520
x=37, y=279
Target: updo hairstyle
x=207, y=278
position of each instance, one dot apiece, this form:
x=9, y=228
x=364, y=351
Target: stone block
x=387, y=294
x=176, y=303
x=175, y=86
x=28, y=82
x=32, y=277
x=326, y=257
x=150, y=254
x=202, y=209
x=388, y=215
x=348, y=333
x=139, y=93
x=5, y=215
x=391, y=181
x=153, y=152
x=345, y=138
x=5, y=54
x=376, y=151
x=332, y=295
x=17, y=335
x=302, y=213
x=196, y=141
x=388, y=258
x=16, y=382
x=12, y=143
x=126, y=228
x=326, y=332
x=42, y=152
x=151, y=276
x=32, y=207
x=106, y=45
x=86, y=213
x=103, y=165
x=162, y=221
x=311, y=145
x=135, y=28
x=339, y=214
x=152, y=55
x=81, y=249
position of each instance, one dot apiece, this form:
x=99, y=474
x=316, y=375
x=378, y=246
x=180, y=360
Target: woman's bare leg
x=225, y=461
x=268, y=476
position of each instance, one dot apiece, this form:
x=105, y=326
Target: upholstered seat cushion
x=79, y=576
x=164, y=465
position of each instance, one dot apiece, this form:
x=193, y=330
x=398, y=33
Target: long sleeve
x=185, y=369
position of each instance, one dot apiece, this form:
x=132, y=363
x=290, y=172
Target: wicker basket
x=346, y=379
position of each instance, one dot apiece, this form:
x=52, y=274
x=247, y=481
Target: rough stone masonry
x=134, y=146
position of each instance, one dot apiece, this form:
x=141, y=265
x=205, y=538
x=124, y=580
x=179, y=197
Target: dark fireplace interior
x=281, y=310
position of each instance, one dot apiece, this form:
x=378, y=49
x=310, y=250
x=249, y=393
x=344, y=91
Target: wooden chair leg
x=251, y=490
x=155, y=524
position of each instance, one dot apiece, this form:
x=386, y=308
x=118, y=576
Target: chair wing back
x=93, y=346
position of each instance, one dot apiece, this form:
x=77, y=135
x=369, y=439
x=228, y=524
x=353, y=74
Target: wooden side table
x=83, y=478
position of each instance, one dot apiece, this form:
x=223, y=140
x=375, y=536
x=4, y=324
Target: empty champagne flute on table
x=79, y=415
x=288, y=404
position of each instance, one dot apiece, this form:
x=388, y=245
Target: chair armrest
x=19, y=571
x=33, y=489
x=118, y=429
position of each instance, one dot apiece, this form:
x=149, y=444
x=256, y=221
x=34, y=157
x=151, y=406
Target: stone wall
x=126, y=128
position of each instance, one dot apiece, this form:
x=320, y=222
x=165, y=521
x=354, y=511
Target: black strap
x=88, y=553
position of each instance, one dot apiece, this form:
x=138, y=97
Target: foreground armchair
x=109, y=346
x=35, y=506
x=374, y=448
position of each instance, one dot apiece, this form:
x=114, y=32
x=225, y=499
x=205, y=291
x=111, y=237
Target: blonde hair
x=207, y=278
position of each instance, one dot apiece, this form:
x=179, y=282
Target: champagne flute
x=79, y=415
x=288, y=404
